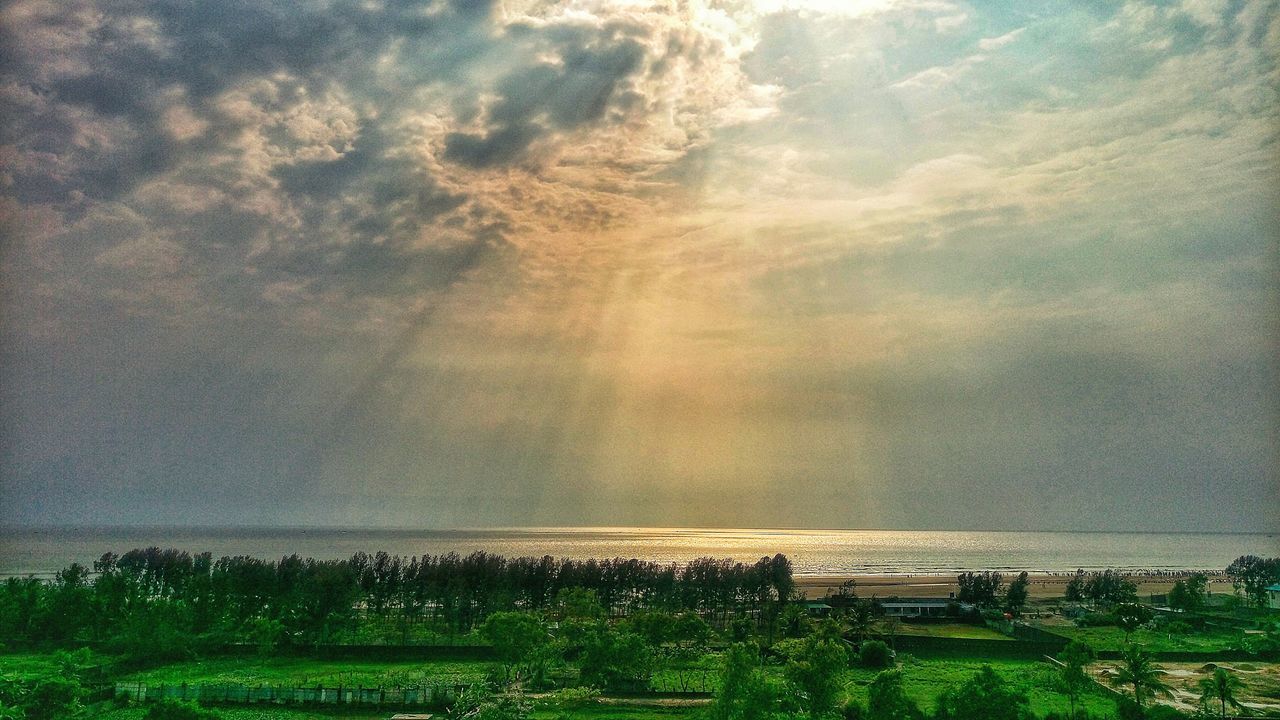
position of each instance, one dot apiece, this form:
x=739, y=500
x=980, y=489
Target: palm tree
x=1221, y=686
x=1138, y=672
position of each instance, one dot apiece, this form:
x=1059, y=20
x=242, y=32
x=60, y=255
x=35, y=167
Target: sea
x=43, y=551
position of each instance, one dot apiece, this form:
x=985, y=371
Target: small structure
x=1273, y=596
x=411, y=716
x=817, y=609
x=916, y=607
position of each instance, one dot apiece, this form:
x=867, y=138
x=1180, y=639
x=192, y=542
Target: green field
x=591, y=713
x=23, y=666
x=306, y=672
x=925, y=679
x=947, y=630
x=1113, y=638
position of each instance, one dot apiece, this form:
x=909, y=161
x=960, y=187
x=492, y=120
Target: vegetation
x=1107, y=587
x=1073, y=678
x=170, y=604
x=733, y=629
x=1138, y=673
x=1220, y=688
x=1251, y=575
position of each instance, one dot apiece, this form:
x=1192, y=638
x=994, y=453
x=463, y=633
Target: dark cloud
x=592, y=71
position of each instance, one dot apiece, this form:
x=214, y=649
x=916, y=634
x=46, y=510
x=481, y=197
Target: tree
x=1072, y=677
x=745, y=693
x=815, y=670
x=516, y=637
x=1137, y=671
x=1075, y=590
x=874, y=654
x=1250, y=576
x=1189, y=594
x=614, y=660
x=979, y=588
x=886, y=699
x=985, y=696
x=860, y=615
x=1131, y=616
x=1015, y=598
x=1220, y=687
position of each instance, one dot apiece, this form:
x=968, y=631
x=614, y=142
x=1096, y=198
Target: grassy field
x=306, y=672
x=598, y=712
x=24, y=666
x=924, y=680
x=947, y=630
x=1113, y=638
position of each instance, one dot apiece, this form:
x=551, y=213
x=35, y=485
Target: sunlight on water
x=813, y=552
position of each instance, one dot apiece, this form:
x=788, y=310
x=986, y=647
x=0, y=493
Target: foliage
x=614, y=660
x=517, y=637
x=746, y=692
x=572, y=698
x=155, y=603
x=1138, y=672
x=887, y=700
x=814, y=669
x=1107, y=587
x=985, y=696
x=478, y=702
x=979, y=588
x=1189, y=594
x=42, y=698
x=1220, y=689
x=1250, y=575
x=875, y=654
x=1072, y=677
x=1015, y=598
x=179, y=710
x=1131, y=616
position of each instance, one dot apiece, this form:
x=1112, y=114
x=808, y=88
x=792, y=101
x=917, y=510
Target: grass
x=307, y=672
x=23, y=666
x=599, y=712
x=925, y=679
x=1113, y=638
x=948, y=630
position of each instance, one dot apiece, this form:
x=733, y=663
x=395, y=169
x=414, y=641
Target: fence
x=425, y=696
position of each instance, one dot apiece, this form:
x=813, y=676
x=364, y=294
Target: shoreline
x=940, y=585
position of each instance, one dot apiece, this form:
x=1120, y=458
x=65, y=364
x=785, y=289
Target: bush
x=875, y=654
x=853, y=710
x=180, y=710
x=1093, y=619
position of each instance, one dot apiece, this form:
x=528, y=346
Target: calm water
x=813, y=552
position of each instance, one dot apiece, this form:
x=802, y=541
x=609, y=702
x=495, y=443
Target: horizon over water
x=44, y=550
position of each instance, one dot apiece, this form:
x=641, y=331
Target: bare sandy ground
x=941, y=586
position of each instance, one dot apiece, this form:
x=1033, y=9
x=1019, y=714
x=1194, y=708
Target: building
x=918, y=607
x=1273, y=596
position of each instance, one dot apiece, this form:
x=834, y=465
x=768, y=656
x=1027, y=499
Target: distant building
x=919, y=607
x=1273, y=596
x=817, y=609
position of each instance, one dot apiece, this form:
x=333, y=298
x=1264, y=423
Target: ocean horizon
x=42, y=551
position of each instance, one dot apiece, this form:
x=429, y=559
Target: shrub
x=875, y=654
x=180, y=710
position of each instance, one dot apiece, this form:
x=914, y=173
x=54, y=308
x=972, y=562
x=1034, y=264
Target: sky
x=739, y=263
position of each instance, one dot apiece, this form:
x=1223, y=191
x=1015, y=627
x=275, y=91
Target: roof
x=905, y=602
x=1274, y=588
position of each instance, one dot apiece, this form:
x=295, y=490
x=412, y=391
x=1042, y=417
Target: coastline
x=940, y=585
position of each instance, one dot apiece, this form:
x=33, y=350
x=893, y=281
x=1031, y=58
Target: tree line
x=166, y=600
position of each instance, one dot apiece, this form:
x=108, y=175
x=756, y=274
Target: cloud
x=575, y=256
